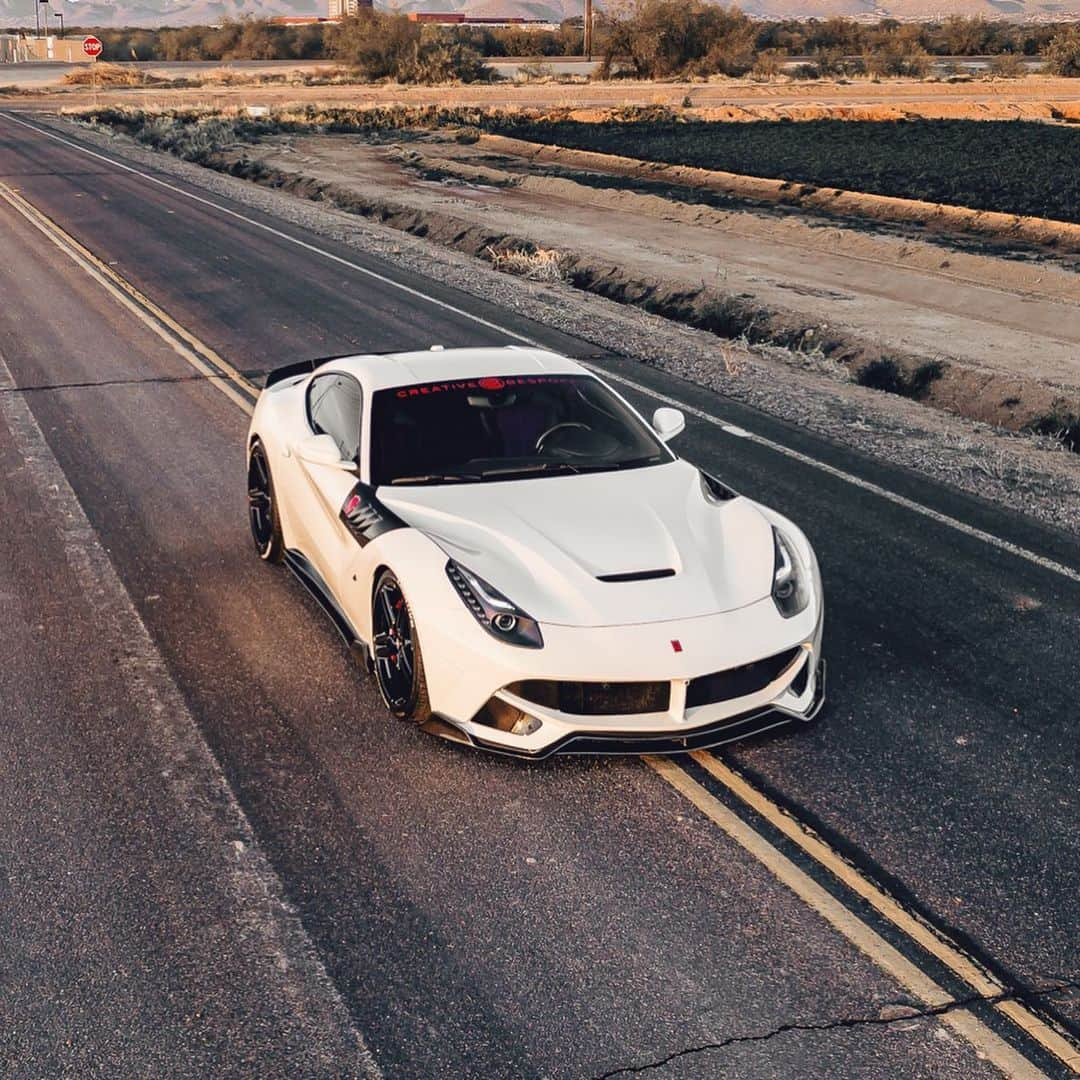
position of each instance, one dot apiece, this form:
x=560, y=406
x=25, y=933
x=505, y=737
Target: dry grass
x=111, y=75
x=120, y=76
x=536, y=264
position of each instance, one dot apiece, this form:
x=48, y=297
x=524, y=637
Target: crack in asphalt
x=845, y=1022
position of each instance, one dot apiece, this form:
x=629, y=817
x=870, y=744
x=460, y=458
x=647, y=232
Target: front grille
x=737, y=682
x=595, y=698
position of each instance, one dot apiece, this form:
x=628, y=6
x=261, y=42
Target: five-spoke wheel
x=399, y=667
x=262, y=510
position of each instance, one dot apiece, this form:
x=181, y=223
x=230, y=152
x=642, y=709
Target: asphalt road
x=218, y=855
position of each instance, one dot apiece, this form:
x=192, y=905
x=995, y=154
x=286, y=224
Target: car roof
x=383, y=370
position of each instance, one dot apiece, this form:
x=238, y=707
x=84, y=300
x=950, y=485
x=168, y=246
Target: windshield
x=504, y=428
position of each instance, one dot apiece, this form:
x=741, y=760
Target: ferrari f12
x=523, y=562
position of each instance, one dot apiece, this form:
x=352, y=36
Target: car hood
x=547, y=542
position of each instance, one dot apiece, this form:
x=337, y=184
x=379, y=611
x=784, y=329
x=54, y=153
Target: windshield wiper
x=532, y=470
x=630, y=463
x=571, y=467
x=438, y=478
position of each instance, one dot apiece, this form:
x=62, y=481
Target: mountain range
x=191, y=12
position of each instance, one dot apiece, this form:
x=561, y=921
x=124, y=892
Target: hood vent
x=637, y=575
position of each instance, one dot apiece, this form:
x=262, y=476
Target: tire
x=397, y=662
x=263, y=516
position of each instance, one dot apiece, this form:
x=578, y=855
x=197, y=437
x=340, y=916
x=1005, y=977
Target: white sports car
x=523, y=563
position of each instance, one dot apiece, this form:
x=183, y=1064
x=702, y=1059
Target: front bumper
x=565, y=735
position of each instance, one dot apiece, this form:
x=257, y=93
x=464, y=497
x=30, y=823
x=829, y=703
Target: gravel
x=1036, y=476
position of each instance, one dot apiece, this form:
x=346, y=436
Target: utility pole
x=60, y=15
x=588, y=29
x=37, y=19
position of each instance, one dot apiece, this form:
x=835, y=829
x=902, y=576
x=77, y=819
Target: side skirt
x=310, y=578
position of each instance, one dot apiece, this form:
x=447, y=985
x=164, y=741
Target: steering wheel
x=558, y=427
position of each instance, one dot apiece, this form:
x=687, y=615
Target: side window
x=334, y=405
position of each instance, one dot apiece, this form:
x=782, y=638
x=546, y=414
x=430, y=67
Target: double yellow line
x=861, y=934
x=220, y=374
x=983, y=985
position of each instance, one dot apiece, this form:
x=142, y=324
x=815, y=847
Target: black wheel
x=395, y=650
x=262, y=507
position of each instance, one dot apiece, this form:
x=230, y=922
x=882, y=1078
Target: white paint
x=849, y=478
x=260, y=910
x=866, y=485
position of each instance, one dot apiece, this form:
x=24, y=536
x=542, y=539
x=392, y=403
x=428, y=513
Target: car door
x=334, y=409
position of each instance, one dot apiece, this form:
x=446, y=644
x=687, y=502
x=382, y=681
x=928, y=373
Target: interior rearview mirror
x=321, y=450
x=667, y=423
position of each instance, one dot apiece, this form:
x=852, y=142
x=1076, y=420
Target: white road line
x=849, y=478
x=277, y=232
x=850, y=926
x=198, y=785
x=884, y=955
x=866, y=485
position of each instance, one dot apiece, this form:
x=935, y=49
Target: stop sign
x=92, y=46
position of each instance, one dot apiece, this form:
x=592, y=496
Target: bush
x=662, y=38
x=769, y=64
x=379, y=46
x=1007, y=66
x=1063, y=53
x=1061, y=425
x=888, y=375
x=898, y=52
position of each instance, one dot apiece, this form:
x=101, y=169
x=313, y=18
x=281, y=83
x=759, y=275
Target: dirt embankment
x=1008, y=228
x=870, y=298
x=1033, y=97
x=639, y=249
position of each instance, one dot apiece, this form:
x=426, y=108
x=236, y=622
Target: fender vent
x=637, y=575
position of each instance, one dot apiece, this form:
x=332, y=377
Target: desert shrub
x=899, y=52
x=806, y=71
x=832, y=60
x=1063, y=53
x=769, y=64
x=379, y=46
x=441, y=58
x=107, y=75
x=193, y=140
x=535, y=72
x=1061, y=425
x=959, y=35
x=887, y=374
x=534, y=263
x=661, y=38
x=1007, y=66
x=882, y=374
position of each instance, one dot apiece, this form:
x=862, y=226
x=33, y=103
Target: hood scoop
x=637, y=575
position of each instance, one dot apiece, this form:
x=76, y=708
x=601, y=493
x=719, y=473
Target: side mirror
x=321, y=450
x=667, y=423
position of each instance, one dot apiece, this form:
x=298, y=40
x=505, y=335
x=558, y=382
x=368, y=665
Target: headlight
x=791, y=577
x=501, y=618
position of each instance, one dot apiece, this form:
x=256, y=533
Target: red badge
x=676, y=645
x=353, y=504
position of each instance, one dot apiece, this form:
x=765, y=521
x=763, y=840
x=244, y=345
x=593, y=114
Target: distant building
x=455, y=18
x=18, y=48
x=302, y=20
x=340, y=9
